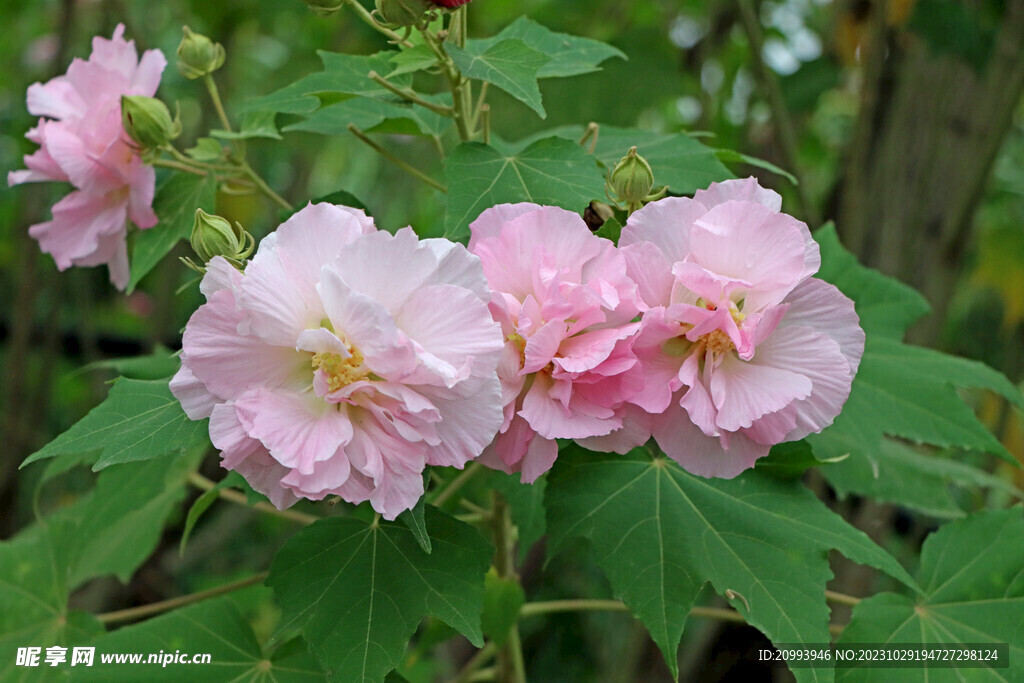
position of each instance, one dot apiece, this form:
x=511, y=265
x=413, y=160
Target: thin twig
x=238, y=498
x=842, y=598
x=400, y=163
x=133, y=613
x=264, y=188
x=457, y=483
x=482, y=656
x=178, y=166
x=410, y=95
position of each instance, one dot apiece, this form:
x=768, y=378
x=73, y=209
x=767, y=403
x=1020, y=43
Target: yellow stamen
x=518, y=340
x=341, y=371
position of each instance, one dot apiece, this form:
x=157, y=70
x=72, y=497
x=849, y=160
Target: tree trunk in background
x=926, y=137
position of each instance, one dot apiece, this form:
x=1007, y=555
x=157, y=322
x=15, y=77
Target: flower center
x=341, y=371
x=718, y=342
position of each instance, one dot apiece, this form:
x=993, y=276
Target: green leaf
x=139, y=420
x=118, y=525
x=414, y=519
x=905, y=391
x=369, y=114
x=552, y=172
x=175, y=206
x=357, y=591
x=660, y=533
x=198, y=509
x=972, y=592
x=157, y=365
x=732, y=156
x=213, y=627
x=569, y=55
x=509, y=64
x=33, y=600
x=206, y=149
x=610, y=230
x=502, y=599
x=412, y=60
x=789, y=460
x=342, y=94
x=677, y=159
x=886, y=306
x=342, y=74
x=897, y=473
x=255, y=124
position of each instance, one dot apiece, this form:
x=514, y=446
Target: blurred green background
x=902, y=120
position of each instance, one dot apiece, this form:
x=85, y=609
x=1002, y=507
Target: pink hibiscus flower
x=566, y=307
x=82, y=142
x=343, y=361
x=740, y=347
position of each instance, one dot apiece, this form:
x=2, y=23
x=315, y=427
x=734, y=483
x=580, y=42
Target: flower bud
x=632, y=179
x=401, y=12
x=215, y=236
x=147, y=121
x=198, y=55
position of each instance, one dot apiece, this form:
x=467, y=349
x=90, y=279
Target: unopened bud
x=215, y=236
x=198, y=55
x=632, y=179
x=324, y=8
x=147, y=121
x=401, y=12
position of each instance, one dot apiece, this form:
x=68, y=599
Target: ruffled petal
x=700, y=454
x=298, y=429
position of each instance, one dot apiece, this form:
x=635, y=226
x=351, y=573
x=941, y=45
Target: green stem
x=264, y=188
x=409, y=95
x=178, y=166
x=200, y=482
x=211, y=86
x=511, y=667
x=455, y=83
x=457, y=483
x=482, y=657
x=166, y=605
x=368, y=19
x=842, y=598
x=405, y=166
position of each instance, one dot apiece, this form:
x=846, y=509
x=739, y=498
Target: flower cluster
x=82, y=142
x=343, y=360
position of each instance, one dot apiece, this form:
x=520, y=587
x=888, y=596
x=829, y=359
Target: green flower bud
x=215, y=236
x=401, y=12
x=324, y=8
x=198, y=55
x=632, y=179
x=148, y=122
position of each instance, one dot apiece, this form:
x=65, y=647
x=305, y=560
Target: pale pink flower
x=740, y=347
x=82, y=142
x=343, y=361
x=566, y=308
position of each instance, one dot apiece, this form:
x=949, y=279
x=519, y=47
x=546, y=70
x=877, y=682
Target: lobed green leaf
x=139, y=420
x=660, y=534
x=356, y=591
